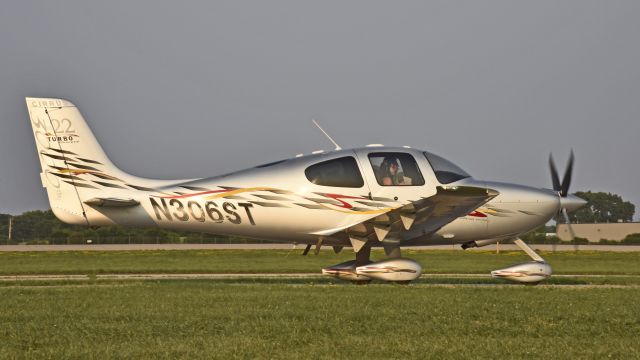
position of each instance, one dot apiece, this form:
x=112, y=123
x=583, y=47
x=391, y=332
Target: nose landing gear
x=532, y=272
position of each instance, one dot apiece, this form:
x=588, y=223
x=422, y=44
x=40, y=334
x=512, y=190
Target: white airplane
x=374, y=196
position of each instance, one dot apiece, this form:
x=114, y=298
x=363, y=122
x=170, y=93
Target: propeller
x=568, y=202
x=561, y=188
x=566, y=221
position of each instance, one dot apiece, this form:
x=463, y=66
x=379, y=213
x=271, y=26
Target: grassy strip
x=283, y=261
x=208, y=319
x=579, y=281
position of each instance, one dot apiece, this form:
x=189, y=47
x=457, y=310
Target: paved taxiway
x=131, y=247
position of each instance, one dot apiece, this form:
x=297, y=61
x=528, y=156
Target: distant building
x=596, y=232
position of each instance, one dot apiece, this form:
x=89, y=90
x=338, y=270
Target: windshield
x=446, y=171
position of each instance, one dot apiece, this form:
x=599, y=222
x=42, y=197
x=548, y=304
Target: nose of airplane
x=572, y=203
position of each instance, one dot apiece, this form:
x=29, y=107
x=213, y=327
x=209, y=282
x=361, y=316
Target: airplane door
x=394, y=175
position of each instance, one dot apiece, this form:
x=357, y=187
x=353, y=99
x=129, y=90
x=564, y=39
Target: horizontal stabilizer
x=111, y=202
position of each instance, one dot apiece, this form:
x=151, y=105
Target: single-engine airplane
x=373, y=196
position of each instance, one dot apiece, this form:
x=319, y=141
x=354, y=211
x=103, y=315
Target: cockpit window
x=446, y=171
x=340, y=172
x=395, y=169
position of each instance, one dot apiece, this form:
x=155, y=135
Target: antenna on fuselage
x=327, y=135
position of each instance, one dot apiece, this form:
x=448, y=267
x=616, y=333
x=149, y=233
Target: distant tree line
x=542, y=235
x=603, y=208
x=42, y=227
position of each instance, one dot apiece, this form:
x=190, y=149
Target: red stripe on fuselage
x=477, y=214
x=345, y=205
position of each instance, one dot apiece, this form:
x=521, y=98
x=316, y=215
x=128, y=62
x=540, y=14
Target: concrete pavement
x=131, y=247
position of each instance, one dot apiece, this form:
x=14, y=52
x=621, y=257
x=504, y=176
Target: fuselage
x=299, y=199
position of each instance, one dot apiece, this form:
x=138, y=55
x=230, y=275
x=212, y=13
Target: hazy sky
x=194, y=89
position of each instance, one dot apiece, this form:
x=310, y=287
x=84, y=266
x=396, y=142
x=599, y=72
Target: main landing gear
x=363, y=271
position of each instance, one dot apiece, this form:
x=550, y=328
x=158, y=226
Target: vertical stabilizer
x=75, y=169
x=63, y=141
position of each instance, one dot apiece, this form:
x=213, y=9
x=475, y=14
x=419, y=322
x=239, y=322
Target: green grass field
x=320, y=318
x=208, y=319
x=283, y=261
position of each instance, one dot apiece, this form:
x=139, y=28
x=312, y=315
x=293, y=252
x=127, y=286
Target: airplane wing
x=424, y=216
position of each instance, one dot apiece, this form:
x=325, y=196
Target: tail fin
x=75, y=169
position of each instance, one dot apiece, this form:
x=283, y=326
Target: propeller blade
x=566, y=180
x=565, y=214
x=554, y=174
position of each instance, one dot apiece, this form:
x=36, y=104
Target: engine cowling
x=529, y=272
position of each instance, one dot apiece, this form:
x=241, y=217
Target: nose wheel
x=530, y=273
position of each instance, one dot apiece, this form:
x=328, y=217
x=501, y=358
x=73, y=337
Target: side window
x=340, y=172
x=395, y=169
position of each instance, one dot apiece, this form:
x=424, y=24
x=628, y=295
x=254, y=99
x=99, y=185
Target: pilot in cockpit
x=391, y=174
